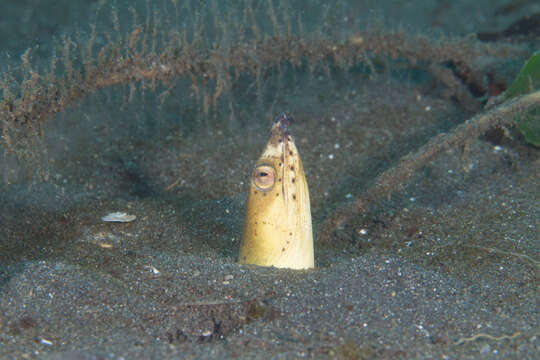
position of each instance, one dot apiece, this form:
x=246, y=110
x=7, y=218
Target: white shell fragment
x=118, y=217
x=153, y=269
x=46, y=342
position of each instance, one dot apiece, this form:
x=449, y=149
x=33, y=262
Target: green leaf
x=529, y=125
x=527, y=81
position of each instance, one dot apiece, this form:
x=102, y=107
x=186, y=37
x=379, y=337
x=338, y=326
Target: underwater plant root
x=26, y=105
x=498, y=251
x=397, y=176
x=487, y=336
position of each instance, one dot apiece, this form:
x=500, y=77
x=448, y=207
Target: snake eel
x=277, y=228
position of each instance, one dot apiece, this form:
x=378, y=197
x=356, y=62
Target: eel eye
x=264, y=177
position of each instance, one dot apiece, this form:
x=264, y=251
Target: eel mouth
x=282, y=123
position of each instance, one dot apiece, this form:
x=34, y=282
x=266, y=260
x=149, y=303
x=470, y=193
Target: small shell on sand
x=118, y=217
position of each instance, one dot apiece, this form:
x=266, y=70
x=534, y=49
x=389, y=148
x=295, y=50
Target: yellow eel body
x=277, y=228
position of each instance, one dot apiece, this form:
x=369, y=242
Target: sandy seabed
x=446, y=268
